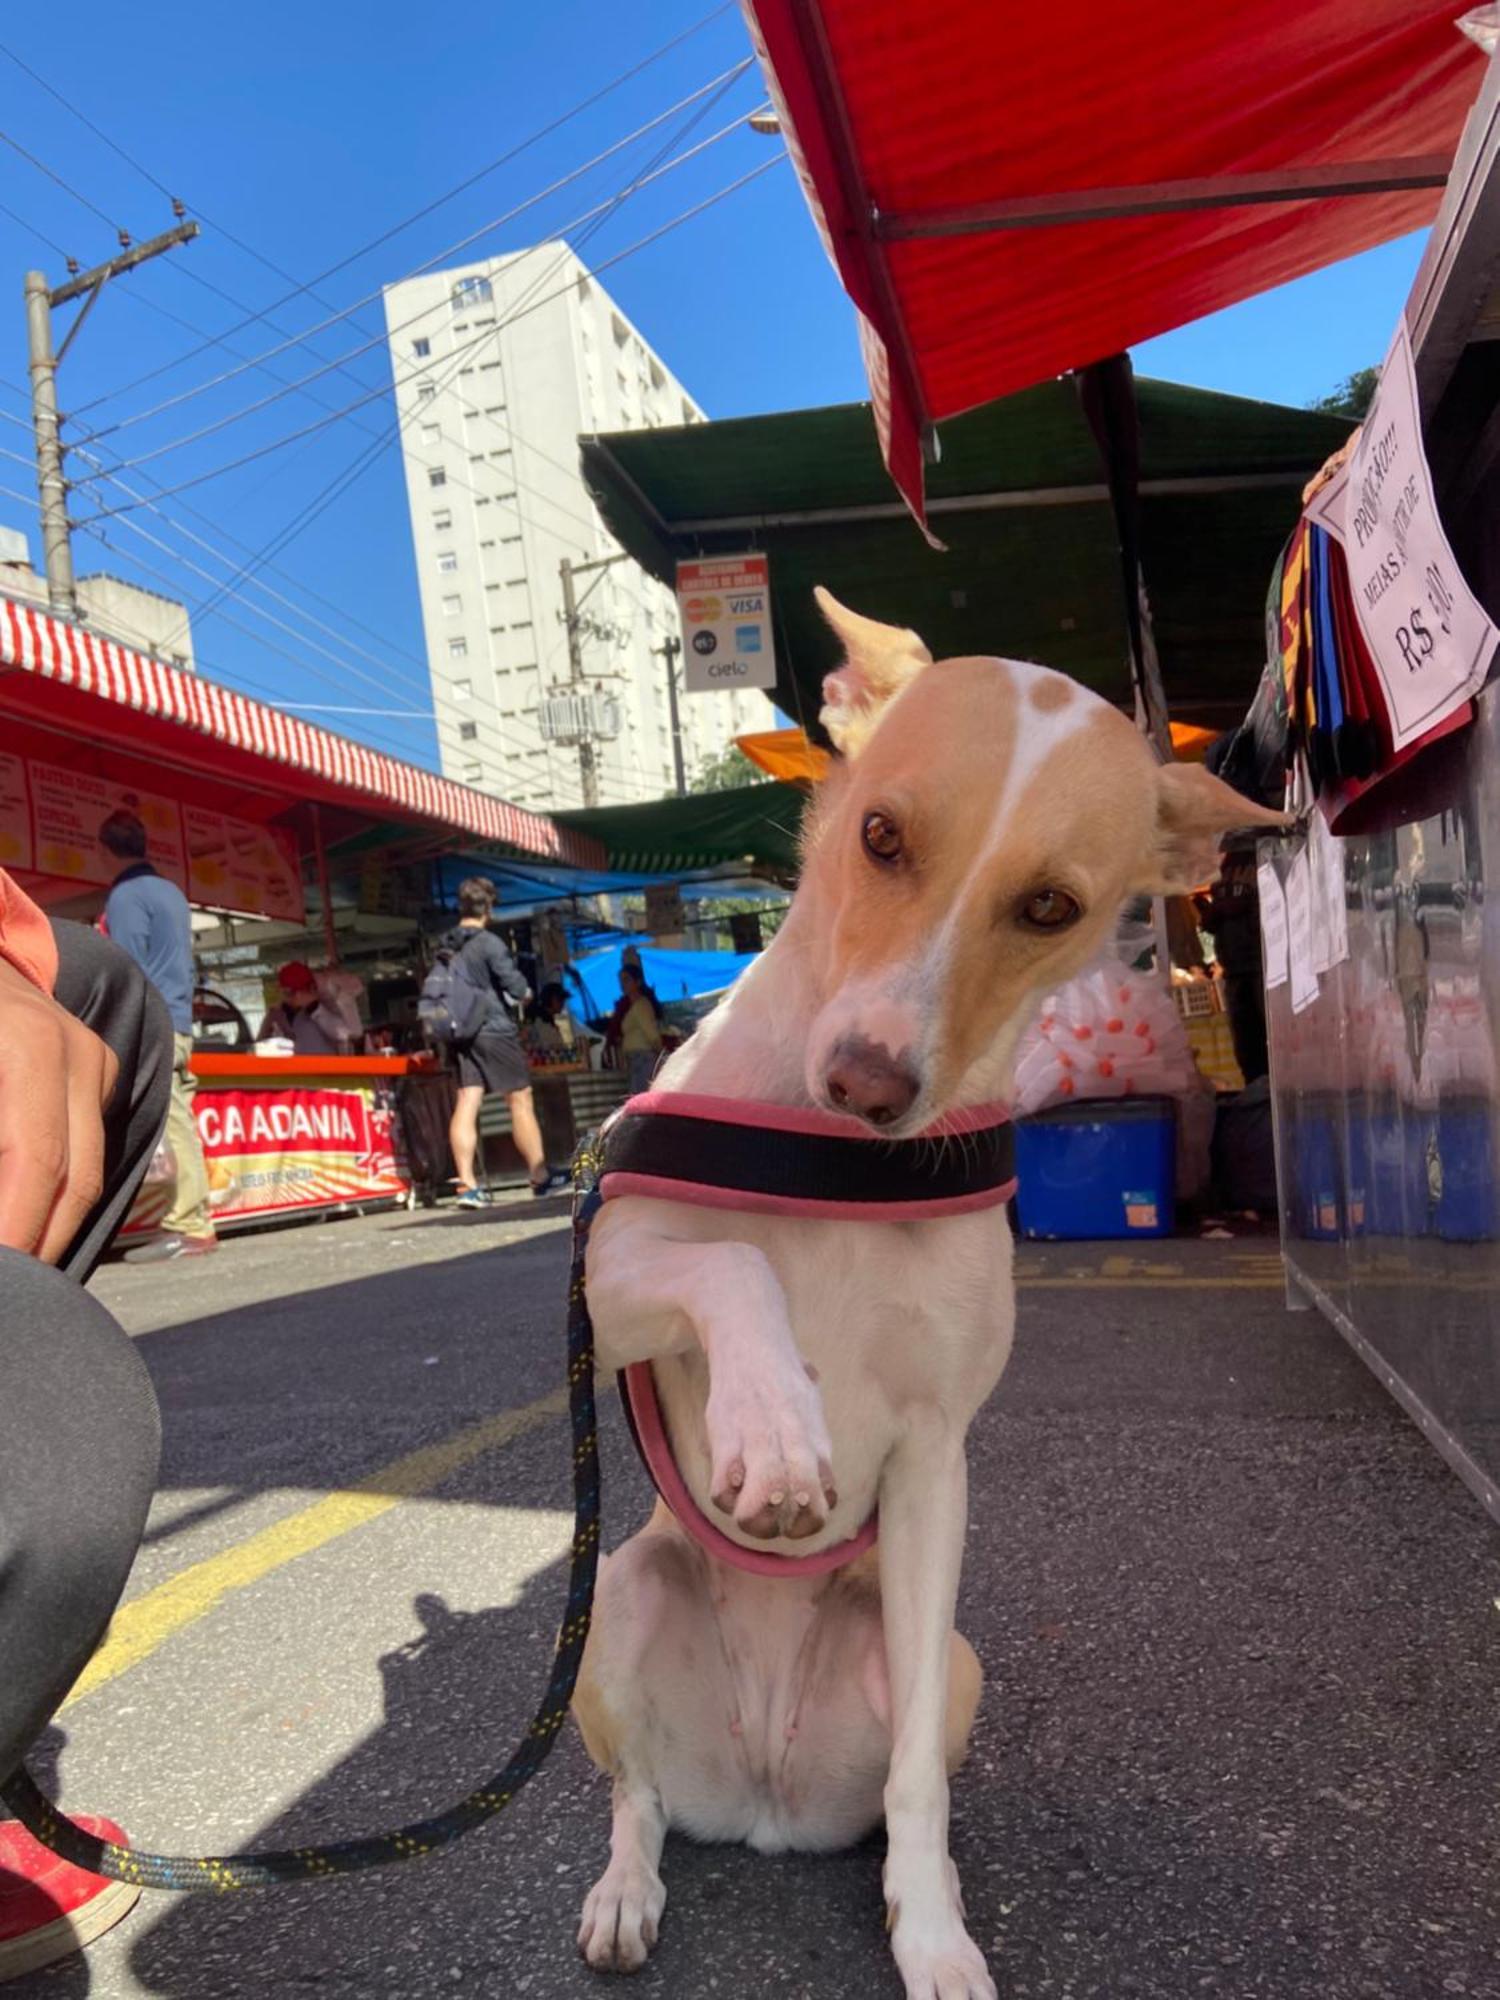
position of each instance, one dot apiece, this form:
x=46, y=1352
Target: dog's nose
x=866, y=1079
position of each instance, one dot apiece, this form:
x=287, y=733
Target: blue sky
x=304, y=132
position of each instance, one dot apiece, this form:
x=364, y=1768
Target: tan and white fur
x=811, y=1369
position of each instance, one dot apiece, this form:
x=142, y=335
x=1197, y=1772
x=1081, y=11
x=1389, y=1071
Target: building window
x=442, y=519
x=436, y=476
x=453, y=607
x=421, y=349
x=467, y=731
x=426, y=391
x=473, y=774
x=458, y=649
x=448, y=561
x=432, y=433
x=471, y=291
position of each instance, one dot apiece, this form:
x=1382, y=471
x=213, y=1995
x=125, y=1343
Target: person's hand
x=56, y=1079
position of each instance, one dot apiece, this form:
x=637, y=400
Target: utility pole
x=588, y=768
x=41, y=303
x=670, y=647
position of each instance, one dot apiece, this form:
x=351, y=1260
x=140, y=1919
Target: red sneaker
x=48, y=1908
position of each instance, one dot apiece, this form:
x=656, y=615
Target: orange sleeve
x=26, y=940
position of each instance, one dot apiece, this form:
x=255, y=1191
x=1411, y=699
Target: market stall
x=1222, y=154
x=290, y=844
x=284, y=1136
x=1382, y=948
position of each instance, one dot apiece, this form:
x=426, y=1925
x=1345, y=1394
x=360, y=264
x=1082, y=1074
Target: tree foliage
x=1353, y=396
x=723, y=773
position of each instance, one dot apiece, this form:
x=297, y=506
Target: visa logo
x=743, y=606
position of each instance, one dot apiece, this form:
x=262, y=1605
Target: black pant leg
x=104, y=988
x=1245, y=1003
x=79, y=1442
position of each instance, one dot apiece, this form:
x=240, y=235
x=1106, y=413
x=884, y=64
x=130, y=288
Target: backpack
x=451, y=1008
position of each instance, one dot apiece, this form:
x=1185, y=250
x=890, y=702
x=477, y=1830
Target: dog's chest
x=887, y=1317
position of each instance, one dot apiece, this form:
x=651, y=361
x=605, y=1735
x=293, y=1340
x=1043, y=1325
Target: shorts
x=495, y=1061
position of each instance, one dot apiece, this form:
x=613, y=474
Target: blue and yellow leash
x=424, y=1836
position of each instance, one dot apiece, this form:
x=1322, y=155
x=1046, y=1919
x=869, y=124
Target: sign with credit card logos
x=724, y=603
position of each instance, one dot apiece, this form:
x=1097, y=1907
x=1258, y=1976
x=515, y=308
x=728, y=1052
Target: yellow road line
x=146, y=1623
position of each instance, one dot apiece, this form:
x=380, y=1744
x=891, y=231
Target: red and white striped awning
x=166, y=707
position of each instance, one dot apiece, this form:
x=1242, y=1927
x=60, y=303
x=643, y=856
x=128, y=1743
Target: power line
x=343, y=361
x=353, y=257
x=453, y=249
x=308, y=430
x=52, y=175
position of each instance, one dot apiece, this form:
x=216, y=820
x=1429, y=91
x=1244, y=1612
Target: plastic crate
x=1100, y=1169
x=1197, y=999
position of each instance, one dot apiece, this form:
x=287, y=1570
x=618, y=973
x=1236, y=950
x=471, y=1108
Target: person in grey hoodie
x=492, y=1062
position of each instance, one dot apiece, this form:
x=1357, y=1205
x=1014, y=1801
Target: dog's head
x=973, y=848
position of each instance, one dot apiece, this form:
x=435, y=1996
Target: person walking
x=492, y=1062
x=148, y=917
x=86, y=1054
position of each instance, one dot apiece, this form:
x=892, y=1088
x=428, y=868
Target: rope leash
x=262, y=1870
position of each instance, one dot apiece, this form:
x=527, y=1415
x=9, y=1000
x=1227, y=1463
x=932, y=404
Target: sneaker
x=48, y=1908
x=474, y=1198
x=557, y=1179
x=167, y=1249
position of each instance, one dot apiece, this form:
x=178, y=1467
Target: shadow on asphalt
x=325, y=1388
x=1239, y=1734
x=505, y=1207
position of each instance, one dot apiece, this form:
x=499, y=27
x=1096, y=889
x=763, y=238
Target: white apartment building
x=499, y=367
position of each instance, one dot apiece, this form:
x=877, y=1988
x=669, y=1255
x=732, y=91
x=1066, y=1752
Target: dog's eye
x=882, y=836
x=1050, y=910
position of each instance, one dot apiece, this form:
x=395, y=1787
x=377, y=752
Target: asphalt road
x=1240, y=1733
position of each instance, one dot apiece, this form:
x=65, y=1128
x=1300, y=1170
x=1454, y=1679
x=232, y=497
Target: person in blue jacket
x=148, y=917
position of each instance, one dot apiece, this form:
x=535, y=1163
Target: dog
x=984, y=823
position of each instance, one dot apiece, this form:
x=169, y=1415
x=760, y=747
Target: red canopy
x=91, y=706
x=1012, y=191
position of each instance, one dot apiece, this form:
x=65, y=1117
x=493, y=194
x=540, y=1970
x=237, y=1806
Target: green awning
x=1032, y=567
x=753, y=823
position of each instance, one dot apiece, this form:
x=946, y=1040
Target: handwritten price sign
x=1431, y=639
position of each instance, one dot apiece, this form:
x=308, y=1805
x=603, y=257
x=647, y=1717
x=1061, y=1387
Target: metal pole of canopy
x=325, y=896
x=1106, y=391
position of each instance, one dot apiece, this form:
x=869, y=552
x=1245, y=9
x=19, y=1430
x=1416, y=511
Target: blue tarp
x=521, y=885
x=673, y=975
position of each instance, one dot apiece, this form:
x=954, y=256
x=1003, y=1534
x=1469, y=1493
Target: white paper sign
x=1272, y=924
x=1431, y=639
x=1332, y=897
x=725, y=606
x=1299, y=942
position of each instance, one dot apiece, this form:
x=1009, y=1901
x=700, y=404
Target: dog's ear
x=1194, y=810
x=879, y=660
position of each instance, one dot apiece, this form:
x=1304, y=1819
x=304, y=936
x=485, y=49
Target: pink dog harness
x=777, y=1159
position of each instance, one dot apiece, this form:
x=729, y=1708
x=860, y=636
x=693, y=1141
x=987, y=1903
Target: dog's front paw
x=771, y=1457
x=621, y=1916
x=940, y=1961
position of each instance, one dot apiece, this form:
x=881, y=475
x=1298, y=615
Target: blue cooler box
x=1100, y=1169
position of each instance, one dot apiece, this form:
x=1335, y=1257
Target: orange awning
x=785, y=754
